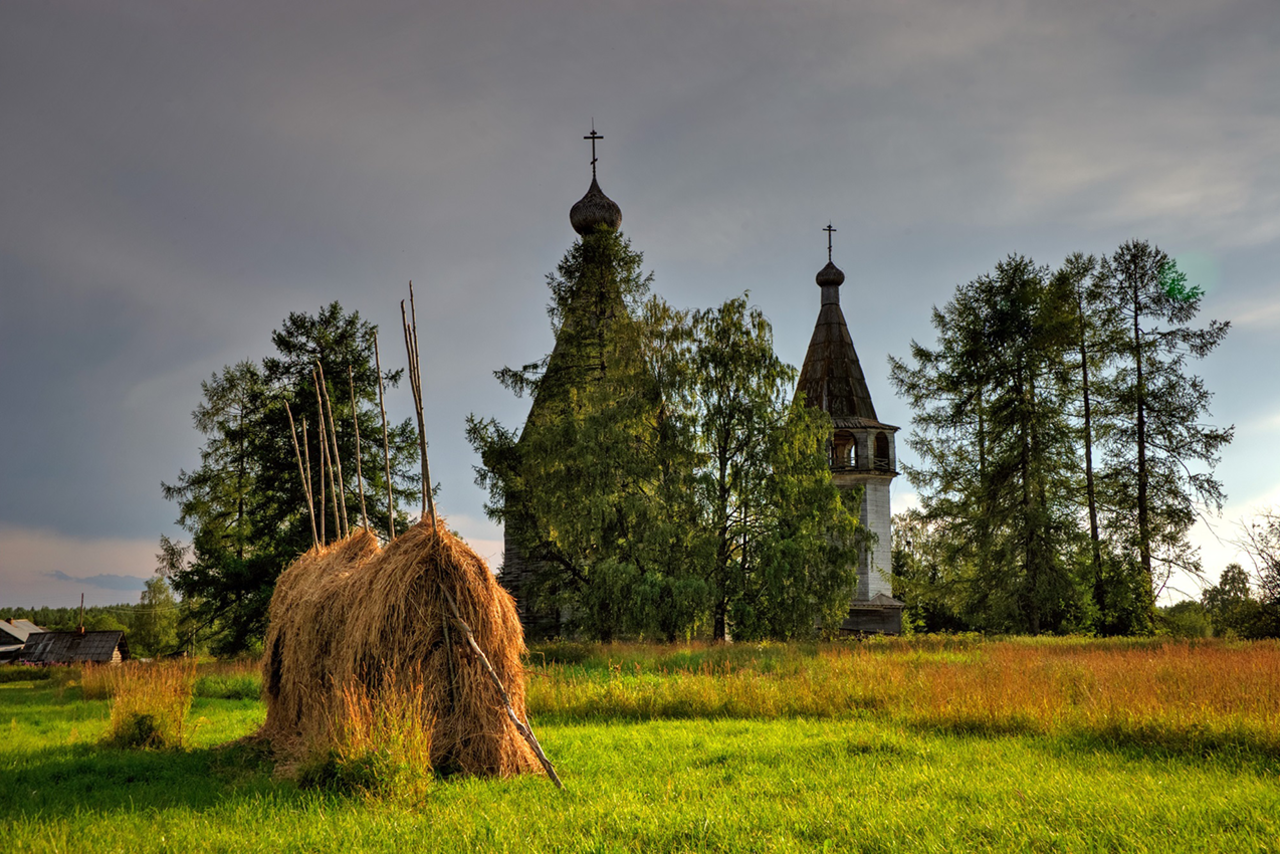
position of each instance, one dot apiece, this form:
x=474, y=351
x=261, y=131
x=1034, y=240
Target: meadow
x=925, y=744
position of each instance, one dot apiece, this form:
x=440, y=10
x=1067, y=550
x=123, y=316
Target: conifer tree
x=998, y=451
x=245, y=505
x=1160, y=451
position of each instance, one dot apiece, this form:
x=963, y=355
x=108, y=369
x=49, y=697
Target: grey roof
x=74, y=647
x=831, y=377
x=593, y=209
x=880, y=600
x=19, y=629
x=830, y=275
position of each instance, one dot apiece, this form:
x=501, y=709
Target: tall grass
x=149, y=702
x=1203, y=695
x=23, y=673
x=383, y=745
x=236, y=679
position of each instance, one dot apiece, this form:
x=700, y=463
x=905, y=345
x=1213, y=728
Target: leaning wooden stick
x=428, y=505
x=417, y=379
x=306, y=483
x=355, y=419
x=306, y=451
x=521, y=726
x=325, y=465
x=386, y=445
x=339, y=494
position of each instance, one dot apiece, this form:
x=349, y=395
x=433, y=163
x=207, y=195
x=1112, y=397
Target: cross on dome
x=593, y=137
x=595, y=208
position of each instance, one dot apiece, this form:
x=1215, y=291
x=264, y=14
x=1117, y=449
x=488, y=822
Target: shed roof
x=74, y=647
x=18, y=629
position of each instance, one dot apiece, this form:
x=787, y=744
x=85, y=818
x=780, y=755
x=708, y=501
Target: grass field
x=928, y=745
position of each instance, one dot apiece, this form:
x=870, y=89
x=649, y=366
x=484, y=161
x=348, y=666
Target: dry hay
x=354, y=615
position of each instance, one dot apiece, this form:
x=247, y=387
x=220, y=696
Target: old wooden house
x=76, y=647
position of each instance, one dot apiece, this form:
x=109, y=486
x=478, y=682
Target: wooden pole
x=339, y=493
x=306, y=484
x=428, y=505
x=386, y=445
x=355, y=419
x=306, y=450
x=417, y=379
x=404, y=322
x=325, y=465
x=521, y=726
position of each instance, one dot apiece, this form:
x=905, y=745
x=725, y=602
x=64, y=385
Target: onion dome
x=594, y=209
x=830, y=275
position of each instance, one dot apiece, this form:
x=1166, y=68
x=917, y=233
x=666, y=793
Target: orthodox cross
x=593, y=137
x=829, y=230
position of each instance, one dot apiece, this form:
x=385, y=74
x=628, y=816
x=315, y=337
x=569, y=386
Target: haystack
x=352, y=614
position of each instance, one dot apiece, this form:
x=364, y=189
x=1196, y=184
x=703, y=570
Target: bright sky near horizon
x=178, y=177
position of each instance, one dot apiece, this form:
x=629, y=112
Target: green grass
x=229, y=687
x=866, y=780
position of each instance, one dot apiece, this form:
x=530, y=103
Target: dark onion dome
x=829, y=275
x=594, y=209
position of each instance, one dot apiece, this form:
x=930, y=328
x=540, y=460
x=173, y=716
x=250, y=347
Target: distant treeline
x=97, y=618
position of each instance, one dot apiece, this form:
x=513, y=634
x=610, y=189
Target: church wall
x=877, y=516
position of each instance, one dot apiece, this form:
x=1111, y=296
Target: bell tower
x=861, y=449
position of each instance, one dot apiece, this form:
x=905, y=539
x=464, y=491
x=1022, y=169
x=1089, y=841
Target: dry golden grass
x=354, y=614
x=1175, y=692
x=149, y=701
x=396, y=721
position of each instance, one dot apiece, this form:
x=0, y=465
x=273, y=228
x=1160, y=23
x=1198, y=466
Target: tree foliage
x=1160, y=451
x=663, y=483
x=1063, y=443
x=782, y=541
x=155, y=621
x=245, y=505
x=993, y=435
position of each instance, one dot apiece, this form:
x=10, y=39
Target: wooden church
x=861, y=448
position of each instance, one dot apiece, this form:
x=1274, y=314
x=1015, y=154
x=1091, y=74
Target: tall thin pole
x=306, y=486
x=355, y=419
x=415, y=385
x=422, y=431
x=339, y=494
x=386, y=445
x=306, y=451
x=325, y=466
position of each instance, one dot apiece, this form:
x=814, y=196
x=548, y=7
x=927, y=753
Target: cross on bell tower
x=830, y=230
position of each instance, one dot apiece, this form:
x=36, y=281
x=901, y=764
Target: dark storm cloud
x=176, y=178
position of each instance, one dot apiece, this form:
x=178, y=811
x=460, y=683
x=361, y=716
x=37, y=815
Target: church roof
x=831, y=377
x=594, y=209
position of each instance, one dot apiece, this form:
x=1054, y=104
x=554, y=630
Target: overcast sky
x=176, y=177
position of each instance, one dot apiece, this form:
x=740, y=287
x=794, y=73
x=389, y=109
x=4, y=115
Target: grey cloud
x=179, y=177
x=105, y=582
